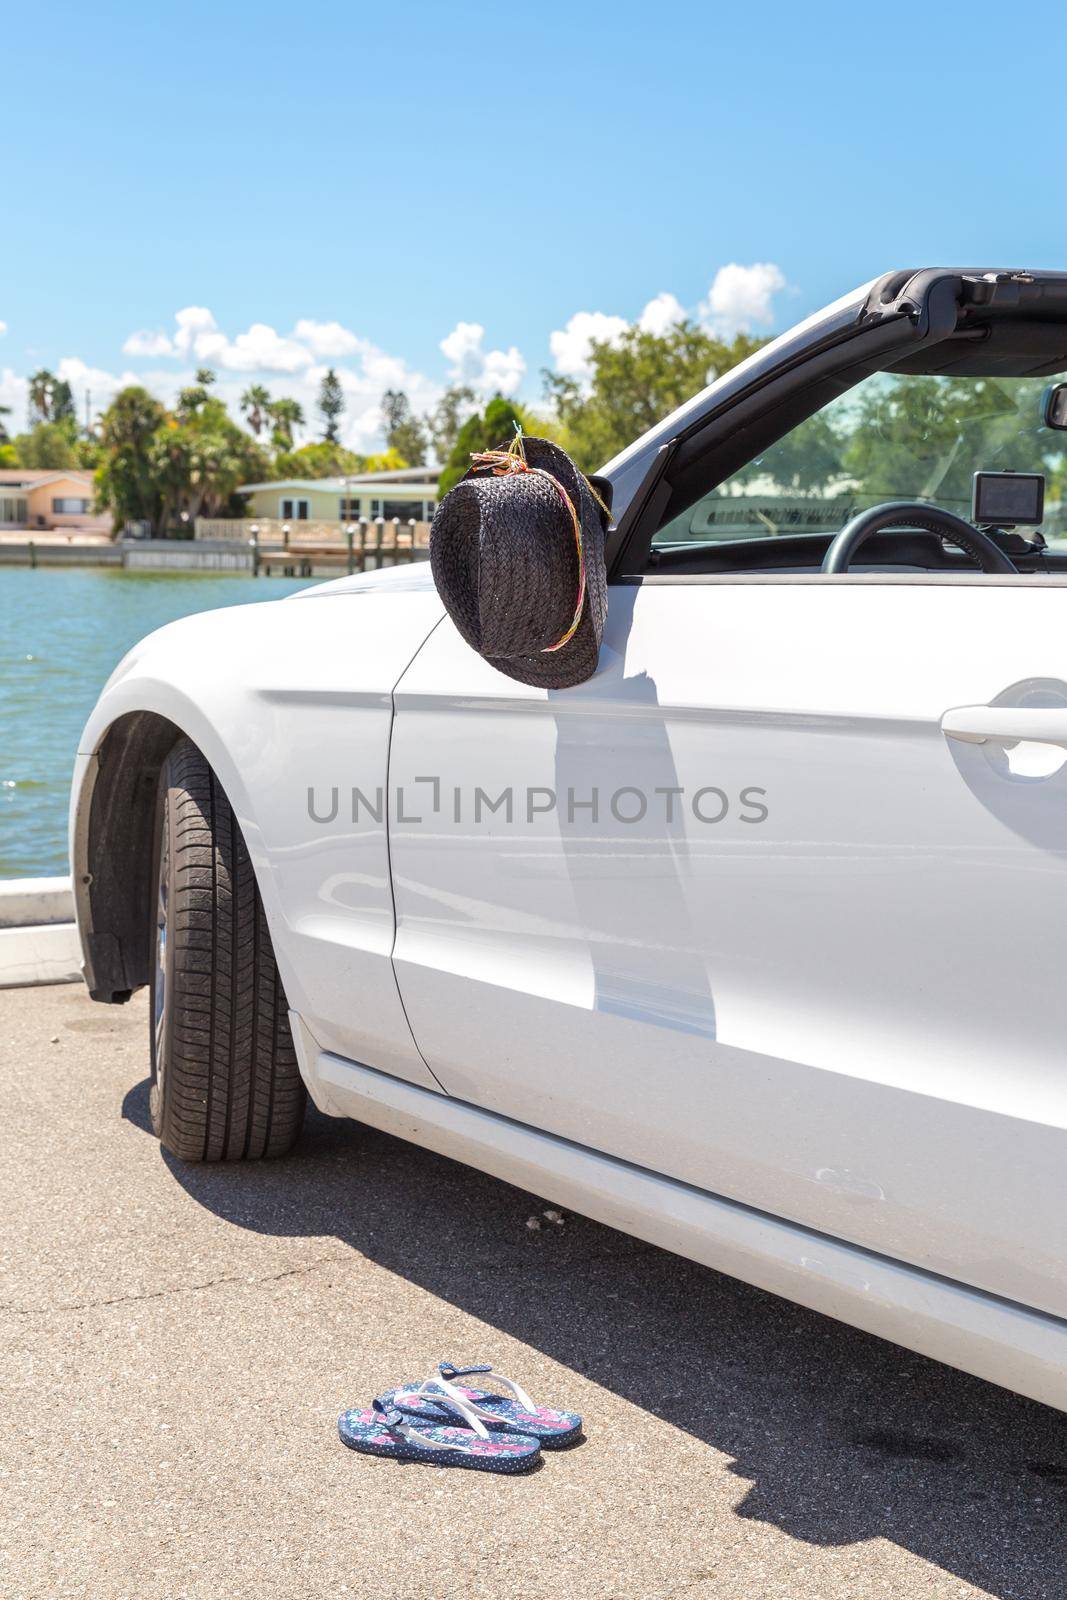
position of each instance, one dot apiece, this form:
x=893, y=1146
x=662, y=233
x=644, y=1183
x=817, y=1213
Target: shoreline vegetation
x=163, y=466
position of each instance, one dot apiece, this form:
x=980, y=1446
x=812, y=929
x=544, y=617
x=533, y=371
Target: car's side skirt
x=995, y=1339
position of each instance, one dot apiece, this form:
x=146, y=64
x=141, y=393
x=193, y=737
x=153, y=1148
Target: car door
x=739, y=910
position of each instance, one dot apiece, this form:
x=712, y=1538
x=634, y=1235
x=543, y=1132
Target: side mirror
x=1055, y=407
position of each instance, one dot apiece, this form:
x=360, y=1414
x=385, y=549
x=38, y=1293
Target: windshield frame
x=968, y=312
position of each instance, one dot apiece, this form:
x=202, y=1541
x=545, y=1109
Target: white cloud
x=293, y=364
x=503, y=372
x=327, y=339
x=390, y=371
x=261, y=349
x=463, y=348
x=13, y=393
x=570, y=346
x=97, y=382
x=194, y=323
x=298, y=362
x=491, y=371
x=661, y=314
x=740, y=298
x=146, y=343
x=3, y=329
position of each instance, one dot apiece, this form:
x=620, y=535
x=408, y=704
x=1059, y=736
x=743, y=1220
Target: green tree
x=63, y=402
x=317, y=460
x=41, y=389
x=205, y=377
x=491, y=429
x=331, y=405
x=192, y=399
x=201, y=462
x=403, y=430
x=168, y=467
x=126, y=481
x=634, y=384
x=285, y=417
x=384, y=461
x=5, y=437
x=48, y=446
x=88, y=452
x=809, y=457
x=447, y=417
x=923, y=435
x=256, y=407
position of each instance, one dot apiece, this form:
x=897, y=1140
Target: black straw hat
x=517, y=552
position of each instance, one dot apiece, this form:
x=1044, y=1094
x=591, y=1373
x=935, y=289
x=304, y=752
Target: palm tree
x=285, y=416
x=41, y=389
x=191, y=400
x=256, y=405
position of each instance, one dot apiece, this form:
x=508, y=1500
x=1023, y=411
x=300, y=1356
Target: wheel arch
x=111, y=851
x=170, y=686
x=112, y=835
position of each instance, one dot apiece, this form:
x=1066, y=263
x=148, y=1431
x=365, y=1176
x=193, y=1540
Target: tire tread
x=232, y=1086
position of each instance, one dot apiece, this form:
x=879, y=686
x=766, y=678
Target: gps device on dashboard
x=1008, y=499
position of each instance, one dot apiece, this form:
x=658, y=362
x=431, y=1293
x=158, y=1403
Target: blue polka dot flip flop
x=499, y=1404
x=383, y=1431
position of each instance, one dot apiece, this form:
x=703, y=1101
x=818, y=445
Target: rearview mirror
x=1056, y=407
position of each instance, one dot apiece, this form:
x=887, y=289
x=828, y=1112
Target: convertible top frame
x=935, y=320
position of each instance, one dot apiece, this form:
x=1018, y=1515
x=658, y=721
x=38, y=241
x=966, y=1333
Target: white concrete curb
x=38, y=939
x=32, y=902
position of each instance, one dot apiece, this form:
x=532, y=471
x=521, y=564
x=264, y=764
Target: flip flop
x=518, y=1415
x=383, y=1431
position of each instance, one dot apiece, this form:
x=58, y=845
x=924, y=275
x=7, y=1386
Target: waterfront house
x=59, y=501
x=408, y=494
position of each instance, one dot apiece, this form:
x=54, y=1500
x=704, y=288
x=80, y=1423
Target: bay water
x=62, y=632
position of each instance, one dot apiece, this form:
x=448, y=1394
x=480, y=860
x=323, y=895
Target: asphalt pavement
x=176, y=1343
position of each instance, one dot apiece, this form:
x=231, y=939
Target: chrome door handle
x=1006, y=724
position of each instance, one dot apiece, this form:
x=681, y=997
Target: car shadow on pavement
x=839, y=1437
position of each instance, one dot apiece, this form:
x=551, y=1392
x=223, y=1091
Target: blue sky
x=399, y=171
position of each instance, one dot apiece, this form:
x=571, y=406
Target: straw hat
x=517, y=552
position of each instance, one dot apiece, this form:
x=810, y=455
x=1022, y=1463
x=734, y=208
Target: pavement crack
x=223, y=1280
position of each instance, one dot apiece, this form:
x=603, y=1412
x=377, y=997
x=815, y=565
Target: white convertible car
x=749, y=945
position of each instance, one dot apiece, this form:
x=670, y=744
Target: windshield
x=892, y=437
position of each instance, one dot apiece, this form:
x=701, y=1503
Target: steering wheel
x=913, y=514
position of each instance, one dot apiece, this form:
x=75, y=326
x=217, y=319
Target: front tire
x=225, y=1080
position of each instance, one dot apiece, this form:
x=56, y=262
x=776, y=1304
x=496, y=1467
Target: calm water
x=61, y=633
